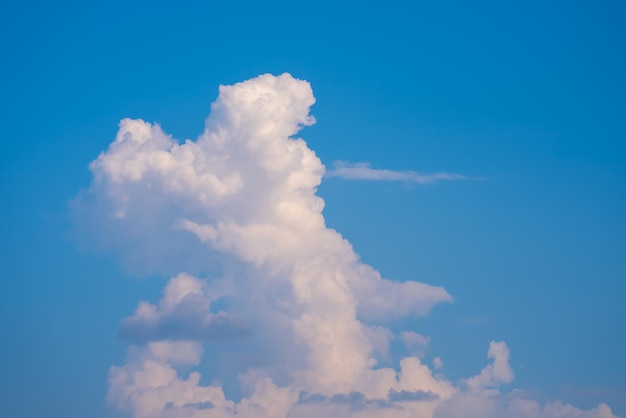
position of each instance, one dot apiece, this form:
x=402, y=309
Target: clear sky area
x=303, y=209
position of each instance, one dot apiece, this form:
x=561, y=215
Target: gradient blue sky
x=529, y=95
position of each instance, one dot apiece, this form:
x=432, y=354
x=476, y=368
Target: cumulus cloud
x=183, y=313
x=364, y=171
x=244, y=194
x=497, y=372
x=437, y=363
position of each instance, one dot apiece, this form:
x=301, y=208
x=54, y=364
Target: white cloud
x=244, y=195
x=149, y=386
x=437, y=363
x=364, y=171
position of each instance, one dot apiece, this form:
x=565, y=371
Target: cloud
x=241, y=201
x=183, y=313
x=363, y=171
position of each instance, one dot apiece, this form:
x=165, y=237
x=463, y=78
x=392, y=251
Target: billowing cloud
x=183, y=313
x=364, y=171
x=244, y=196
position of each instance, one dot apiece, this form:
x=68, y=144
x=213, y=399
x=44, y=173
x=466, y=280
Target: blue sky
x=528, y=97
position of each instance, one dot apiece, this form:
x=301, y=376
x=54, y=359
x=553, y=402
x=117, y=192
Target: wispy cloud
x=364, y=171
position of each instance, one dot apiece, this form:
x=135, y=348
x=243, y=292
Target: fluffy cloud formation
x=310, y=314
x=363, y=171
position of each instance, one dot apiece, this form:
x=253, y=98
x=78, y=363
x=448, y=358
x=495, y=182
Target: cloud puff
x=437, y=363
x=244, y=194
x=364, y=171
x=497, y=372
x=183, y=313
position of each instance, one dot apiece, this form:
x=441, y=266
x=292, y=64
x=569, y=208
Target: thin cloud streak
x=364, y=171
